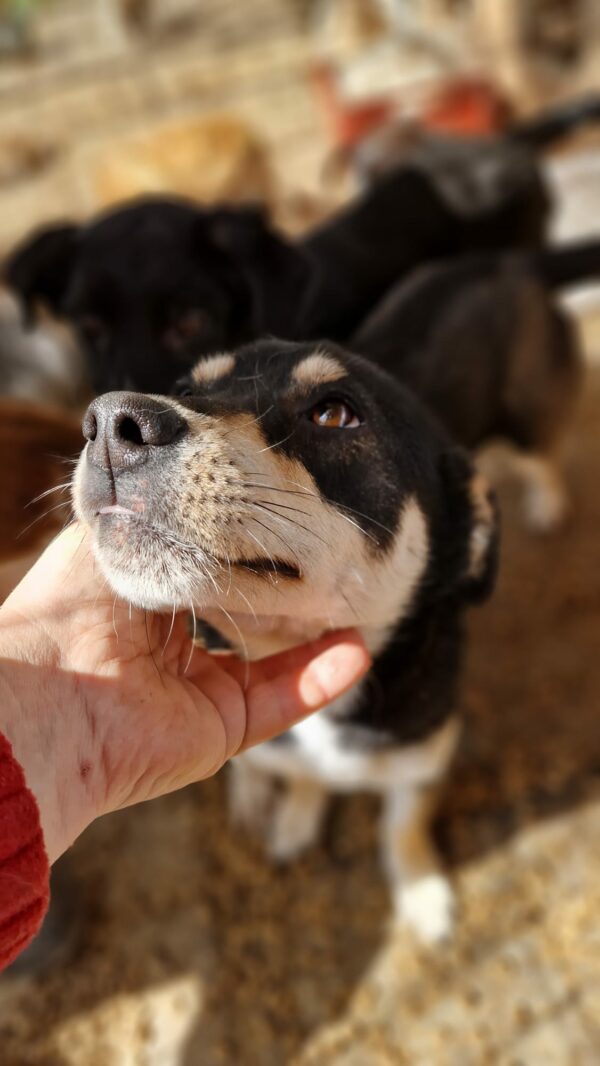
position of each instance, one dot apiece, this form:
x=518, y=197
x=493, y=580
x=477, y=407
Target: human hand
x=105, y=706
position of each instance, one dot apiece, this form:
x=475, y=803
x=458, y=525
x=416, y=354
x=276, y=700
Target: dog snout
x=124, y=428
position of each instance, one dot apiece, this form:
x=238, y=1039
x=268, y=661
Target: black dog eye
x=94, y=330
x=182, y=390
x=185, y=328
x=334, y=414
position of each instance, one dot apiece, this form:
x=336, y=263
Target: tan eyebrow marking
x=318, y=369
x=217, y=366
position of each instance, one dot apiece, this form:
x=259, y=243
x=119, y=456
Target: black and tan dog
x=157, y=282
x=475, y=171
x=485, y=345
x=288, y=489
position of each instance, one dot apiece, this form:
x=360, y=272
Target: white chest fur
x=317, y=753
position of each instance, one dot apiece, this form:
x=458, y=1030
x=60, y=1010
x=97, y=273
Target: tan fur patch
x=217, y=366
x=318, y=369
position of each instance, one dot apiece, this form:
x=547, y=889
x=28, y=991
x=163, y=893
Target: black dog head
x=157, y=283
x=290, y=485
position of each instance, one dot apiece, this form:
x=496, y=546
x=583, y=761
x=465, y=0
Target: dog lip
x=116, y=508
x=269, y=566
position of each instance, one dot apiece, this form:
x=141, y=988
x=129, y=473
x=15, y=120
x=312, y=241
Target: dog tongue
x=115, y=508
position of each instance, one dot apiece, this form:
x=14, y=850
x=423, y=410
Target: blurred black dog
x=483, y=342
x=475, y=171
x=157, y=283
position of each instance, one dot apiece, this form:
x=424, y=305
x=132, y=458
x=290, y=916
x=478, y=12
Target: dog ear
x=39, y=270
x=276, y=270
x=471, y=541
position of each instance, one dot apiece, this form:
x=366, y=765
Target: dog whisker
x=64, y=503
x=48, y=492
x=284, y=507
x=243, y=645
x=193, y=642
x=114, y=623
x=292, y=522
x=280, y=538
x=277, y=443
x=150, y=648
x=169, y=634
x=247, y=602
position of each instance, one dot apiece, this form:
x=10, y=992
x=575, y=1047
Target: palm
x=170, y=713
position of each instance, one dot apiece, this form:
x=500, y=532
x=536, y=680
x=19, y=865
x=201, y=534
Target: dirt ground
x=194, y=951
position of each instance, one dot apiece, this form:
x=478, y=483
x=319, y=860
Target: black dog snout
x=123, y=428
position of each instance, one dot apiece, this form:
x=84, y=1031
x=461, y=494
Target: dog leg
x=546, y=501
x=423, y=899
x=251, y=794
x=297, y=820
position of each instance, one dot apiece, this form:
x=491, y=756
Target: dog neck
x=254, y=637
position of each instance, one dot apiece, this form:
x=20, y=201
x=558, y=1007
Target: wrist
x=42, y=715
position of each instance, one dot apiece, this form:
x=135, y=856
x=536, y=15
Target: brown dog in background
x=36, y=444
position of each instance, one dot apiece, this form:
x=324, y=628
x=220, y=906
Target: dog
x=41, y=365
x=286, y=489
x=208, y=157
x=485, y=346
x=477, y=171
x=156, y=283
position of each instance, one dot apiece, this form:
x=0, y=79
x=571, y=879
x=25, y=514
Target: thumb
x=284, y=688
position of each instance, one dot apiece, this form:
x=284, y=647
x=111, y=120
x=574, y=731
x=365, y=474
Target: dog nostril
x=128, y=430
x=90, y=426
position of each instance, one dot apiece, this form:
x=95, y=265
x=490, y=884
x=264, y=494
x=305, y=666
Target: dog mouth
x=116, y=508
x=258, y=565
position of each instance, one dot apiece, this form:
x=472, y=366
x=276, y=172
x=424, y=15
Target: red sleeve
x=24, y=869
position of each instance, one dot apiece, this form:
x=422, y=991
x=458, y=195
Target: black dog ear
x=277, y=271
x=471, y=542
x=39, y=270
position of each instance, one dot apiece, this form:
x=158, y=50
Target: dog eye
x=182, y=392
x=94, y=330
x=334, y=414
x=185, y=328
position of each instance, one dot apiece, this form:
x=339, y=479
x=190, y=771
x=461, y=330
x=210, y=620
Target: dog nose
x=124, y=428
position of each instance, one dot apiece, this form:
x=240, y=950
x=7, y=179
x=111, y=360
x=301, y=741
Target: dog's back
x=484, y=344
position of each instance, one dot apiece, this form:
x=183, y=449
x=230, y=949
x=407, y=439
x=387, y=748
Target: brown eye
x=334, y=414
x=185, y=328
x=94, y=330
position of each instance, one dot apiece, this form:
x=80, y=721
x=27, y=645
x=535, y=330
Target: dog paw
x=545, y=511
x=292, y=833
x=250, y=799
x=426, y=907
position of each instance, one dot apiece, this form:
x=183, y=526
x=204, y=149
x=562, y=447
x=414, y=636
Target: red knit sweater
x=24, y=869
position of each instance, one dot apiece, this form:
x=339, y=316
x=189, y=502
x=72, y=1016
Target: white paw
x=545, y=509
x=250, y=798
x=292, y=832
x=426, y=907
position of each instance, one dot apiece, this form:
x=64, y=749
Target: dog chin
x=143, y=591
x=147, y=586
